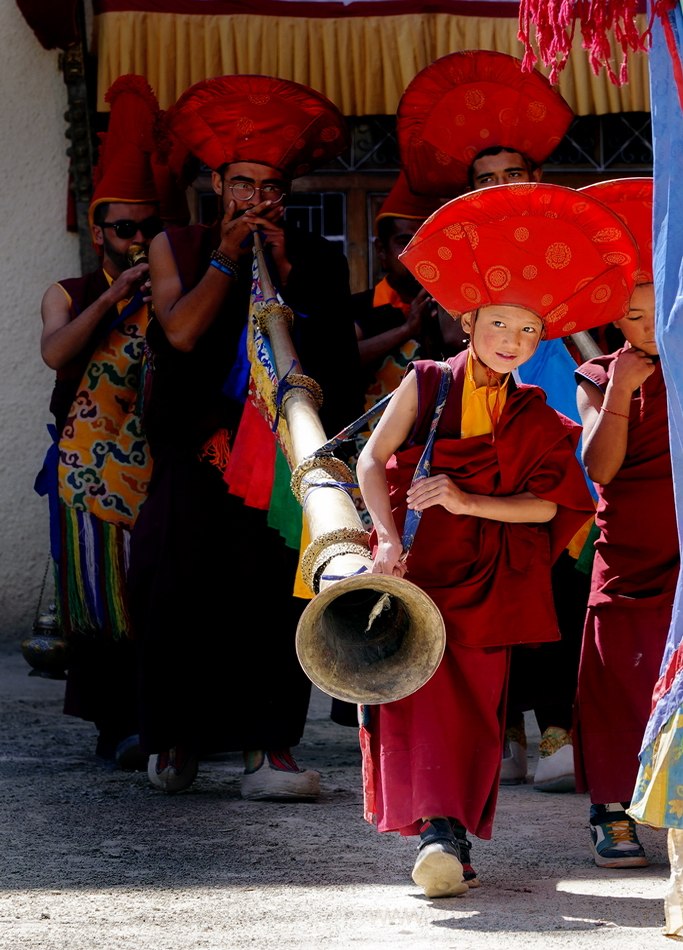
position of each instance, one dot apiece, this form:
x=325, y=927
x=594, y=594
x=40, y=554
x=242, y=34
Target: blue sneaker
x=614, y=840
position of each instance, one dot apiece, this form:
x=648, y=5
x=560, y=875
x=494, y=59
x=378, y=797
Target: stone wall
x=35, y=249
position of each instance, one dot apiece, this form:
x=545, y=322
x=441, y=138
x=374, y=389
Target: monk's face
x=638, y=326
x=502, y=338
x=502, y=169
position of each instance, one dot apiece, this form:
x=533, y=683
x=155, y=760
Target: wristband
x=229, y=271
x=231, y=267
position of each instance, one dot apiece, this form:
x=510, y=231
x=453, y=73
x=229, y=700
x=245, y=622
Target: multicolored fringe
x=91, y=575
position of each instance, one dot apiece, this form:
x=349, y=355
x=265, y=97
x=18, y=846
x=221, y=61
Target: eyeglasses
x=126, y=228
x=244, y=190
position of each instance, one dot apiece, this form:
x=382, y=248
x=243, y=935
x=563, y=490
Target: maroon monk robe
x=632, y=591
x=438, y=751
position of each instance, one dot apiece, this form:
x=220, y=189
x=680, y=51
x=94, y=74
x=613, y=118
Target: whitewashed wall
x=35, y=249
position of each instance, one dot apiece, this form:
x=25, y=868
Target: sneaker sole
x=439, y=873
x=635, y=862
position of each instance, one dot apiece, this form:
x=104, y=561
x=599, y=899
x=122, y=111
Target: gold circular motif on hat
x=442, y=158
x=427, y=271
x=558, y=255
x=530, y=272
x=578, y=207
x=259, y=98
x=445, y=253
x=616, y=257
x=521, y=188
x=546, y=300
x=459, y=232
x=607, y=234
x=484, y=134
x=456, y=232
x=459, y=119
x=498, y=277
x=474, y=99
x=471, y=293
x=601, y=294
x=468, y=154
x=560, y=311
x=521, y=234
x=329, y=133
x=536, y=111
x=245, y=125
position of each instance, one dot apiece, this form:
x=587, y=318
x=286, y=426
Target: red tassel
x=555, y=22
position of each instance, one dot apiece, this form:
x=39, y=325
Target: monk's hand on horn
x=389, y=558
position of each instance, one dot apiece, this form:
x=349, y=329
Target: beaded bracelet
x=226, y=261
x=613, y=413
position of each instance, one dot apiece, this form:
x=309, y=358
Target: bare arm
x=389, y=433
x=442, y=490
x=605, y=418
x=63, y=338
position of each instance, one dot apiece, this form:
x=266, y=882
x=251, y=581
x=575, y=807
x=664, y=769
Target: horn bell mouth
x=370, y=638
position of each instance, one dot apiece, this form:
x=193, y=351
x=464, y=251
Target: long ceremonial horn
x=364, y=638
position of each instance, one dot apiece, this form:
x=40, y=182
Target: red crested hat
x=547, y=248
x=401, y=202
x=259, y=119
x=632, y=200
x=124, y=170
x=472, y=100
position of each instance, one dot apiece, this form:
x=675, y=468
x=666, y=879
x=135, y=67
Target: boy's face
x=503, y=337
x=638, y=326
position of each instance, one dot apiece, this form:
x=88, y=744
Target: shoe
x=513, y=767
x=464, y=850
x=129, y=756
x=555, y=769
x=279, y=779
x=614, y=840
x=438, y=870
x=172, y=771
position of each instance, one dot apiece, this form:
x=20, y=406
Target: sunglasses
x=126, y=228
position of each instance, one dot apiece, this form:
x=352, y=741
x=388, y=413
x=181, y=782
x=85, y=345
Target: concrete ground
x=94, y=858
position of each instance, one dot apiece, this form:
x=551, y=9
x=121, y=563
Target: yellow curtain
x=362, y=64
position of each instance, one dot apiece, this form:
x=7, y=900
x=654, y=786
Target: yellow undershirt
x=476, y=419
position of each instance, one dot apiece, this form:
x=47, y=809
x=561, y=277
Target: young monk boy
x=623, y=404
x=517, y=263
